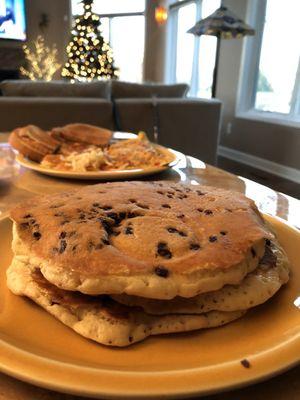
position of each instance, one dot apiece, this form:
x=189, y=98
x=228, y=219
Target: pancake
x=152, y=239
x=100, y=318
x=83, y=133
x=256, y=288
x=33, y=142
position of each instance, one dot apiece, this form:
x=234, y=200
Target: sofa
x=185, y=124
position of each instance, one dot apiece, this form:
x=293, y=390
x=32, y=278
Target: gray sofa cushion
x=53, y=111
x=121, y=90
x=188, y=125
x=24, y=88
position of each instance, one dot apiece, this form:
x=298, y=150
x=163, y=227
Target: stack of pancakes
x=118, y=262
x=36, y=143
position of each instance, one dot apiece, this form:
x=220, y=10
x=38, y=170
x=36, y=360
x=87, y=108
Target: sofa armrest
x=48, y=112
x=189, y=125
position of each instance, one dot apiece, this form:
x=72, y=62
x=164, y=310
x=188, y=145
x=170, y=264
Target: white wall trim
x=289, y=173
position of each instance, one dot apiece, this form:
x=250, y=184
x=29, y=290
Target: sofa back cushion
x=24, y=88
x=121, y=90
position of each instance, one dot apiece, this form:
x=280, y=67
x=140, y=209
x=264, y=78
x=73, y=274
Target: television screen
x=12, y=19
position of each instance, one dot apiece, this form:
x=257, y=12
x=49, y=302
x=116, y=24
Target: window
x=270, y=85
x=123, y=26
x=191, y=59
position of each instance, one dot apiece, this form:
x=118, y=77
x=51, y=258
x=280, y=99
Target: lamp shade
x=222, y=23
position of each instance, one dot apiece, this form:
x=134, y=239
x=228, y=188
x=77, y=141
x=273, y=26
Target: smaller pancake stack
x=118, y=262
x=36, y=143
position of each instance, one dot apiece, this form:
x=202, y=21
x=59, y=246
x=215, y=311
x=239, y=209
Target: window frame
x=245, y=105
x=116, y=15
x=110, y=17
x=171, y=64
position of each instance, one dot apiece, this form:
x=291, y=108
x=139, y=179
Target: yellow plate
x=37, y=348
x=100, y=175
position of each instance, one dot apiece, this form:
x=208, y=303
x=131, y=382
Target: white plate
x=98, y=175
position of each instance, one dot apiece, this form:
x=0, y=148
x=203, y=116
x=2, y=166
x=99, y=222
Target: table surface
x=23, y=184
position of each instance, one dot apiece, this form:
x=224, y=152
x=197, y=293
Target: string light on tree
x=89, y=56
x=41, y=61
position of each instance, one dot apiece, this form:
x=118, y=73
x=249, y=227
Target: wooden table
x=25, y=184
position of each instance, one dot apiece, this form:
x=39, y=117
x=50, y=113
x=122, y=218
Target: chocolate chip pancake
x=152, y=239
x=256, y=288
x=118, y=262
x=101, y=318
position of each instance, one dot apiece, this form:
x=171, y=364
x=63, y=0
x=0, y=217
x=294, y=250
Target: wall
x=274, y=142
x=155, y=44
x=57, y=31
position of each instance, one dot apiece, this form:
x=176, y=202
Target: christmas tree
x=89, y=55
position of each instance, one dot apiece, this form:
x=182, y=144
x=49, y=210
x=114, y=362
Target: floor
x=273, y=181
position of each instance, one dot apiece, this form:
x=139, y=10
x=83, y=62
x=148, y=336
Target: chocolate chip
x=37, y=235
x=112, y=215
x=208, y=212
x=106, y=208
x=174, y=230
x=223, y=233
x=132, y=215
x=129, y=230
x=62, y=235
x=106, y=225
x=166, y=206
x=57, y=205
x=253, y=252
x=213, y=239
x=117, y=218
x=163, y=250
x=161, y=271
x=268, y=242
x=63, y=245
x=27, y=216
x=91, y=246
x=144, y=206
x=122, y=215
x=245, y=363
x=59, y=214
x=194, y=246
